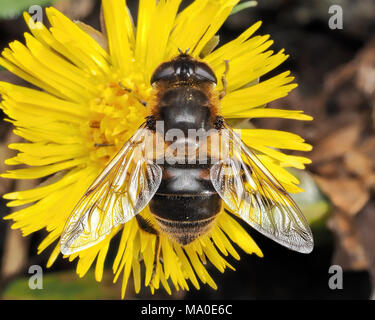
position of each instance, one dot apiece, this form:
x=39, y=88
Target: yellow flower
x=82, y=105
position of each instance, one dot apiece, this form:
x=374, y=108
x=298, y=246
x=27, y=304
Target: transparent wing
x=251, y=191
x=121, y=191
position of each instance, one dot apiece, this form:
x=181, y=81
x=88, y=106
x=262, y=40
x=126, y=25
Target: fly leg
x=143, y=102
x=96, y=125
x=224, y=80
x=97, y=145
x=156, y=257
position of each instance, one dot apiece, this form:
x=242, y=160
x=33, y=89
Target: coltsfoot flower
x=79, y=114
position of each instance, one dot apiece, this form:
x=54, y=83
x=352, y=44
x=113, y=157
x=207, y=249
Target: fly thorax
x=183, y=108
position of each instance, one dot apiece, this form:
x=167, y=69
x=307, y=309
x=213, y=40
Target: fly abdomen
x=184, y=232
x=186, y=202
x=185, y=207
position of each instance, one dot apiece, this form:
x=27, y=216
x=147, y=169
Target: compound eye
x=164, y=72
x=203, y=72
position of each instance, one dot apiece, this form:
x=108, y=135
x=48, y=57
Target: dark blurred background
x=335, y=70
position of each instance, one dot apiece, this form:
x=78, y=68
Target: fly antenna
x=182, y=52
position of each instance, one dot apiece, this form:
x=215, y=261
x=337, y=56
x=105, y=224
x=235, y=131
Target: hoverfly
x=185, y=197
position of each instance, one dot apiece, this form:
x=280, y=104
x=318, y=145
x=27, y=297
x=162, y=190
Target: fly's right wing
x=251, y=191
x=122, y=190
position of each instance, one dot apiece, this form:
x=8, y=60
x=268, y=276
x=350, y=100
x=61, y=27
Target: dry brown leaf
x=337, y=143
x=364, y=224
x=365, y=75
x=16, y=246
x=368, y=147
x=75, y=10
x=342, y=75
x=349, y=253
x=358, y=163
x=329, y=169
x=348, y=194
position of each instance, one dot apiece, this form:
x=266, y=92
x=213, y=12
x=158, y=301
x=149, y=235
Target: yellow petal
x=274, y=138
x=253, y=113
x=38, y=172
x=241, y=100
x=188, y=34
x=118, y=27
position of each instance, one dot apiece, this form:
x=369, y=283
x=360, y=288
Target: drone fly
x=183, y=196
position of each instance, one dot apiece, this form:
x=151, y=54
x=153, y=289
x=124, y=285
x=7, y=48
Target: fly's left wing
x=122, y=190
x=250, y=190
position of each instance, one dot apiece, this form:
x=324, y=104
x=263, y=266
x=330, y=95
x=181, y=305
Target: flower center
x=114, y=116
